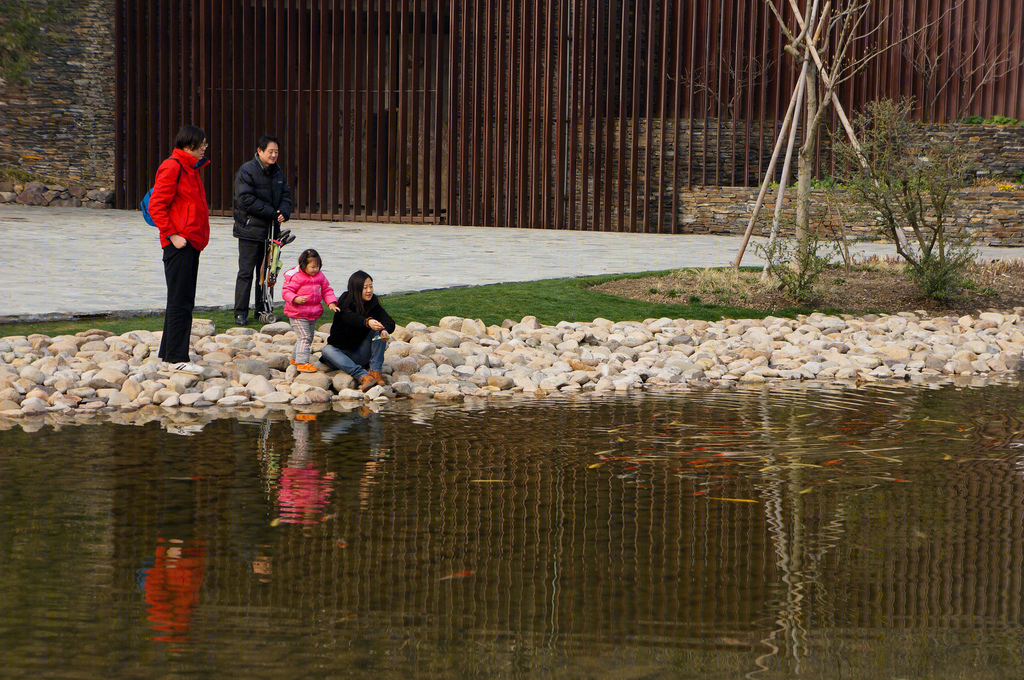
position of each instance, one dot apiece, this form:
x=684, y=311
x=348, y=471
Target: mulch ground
x=993, y=287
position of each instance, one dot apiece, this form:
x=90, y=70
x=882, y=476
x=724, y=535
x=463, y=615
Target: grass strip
x=550, y=300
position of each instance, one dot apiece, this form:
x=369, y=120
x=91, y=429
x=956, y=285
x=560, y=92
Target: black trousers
x=181, y=270
x=250, y=257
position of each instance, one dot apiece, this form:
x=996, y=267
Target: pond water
x=762, y=533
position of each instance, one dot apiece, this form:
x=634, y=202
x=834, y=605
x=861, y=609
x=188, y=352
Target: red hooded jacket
x=178, y=206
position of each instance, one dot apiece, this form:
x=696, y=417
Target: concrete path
x=59, y=261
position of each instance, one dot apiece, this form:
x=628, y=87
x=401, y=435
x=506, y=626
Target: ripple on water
x=723, y=531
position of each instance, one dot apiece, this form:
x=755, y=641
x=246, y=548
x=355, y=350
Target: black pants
x=250, y=257
x=181, y=269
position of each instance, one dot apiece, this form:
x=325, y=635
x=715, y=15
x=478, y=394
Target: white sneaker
x=187, y=367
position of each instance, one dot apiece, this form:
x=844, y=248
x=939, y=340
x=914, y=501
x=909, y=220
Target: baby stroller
x=269, y=268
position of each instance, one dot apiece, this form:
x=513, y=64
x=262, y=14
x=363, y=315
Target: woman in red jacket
x=178, y=207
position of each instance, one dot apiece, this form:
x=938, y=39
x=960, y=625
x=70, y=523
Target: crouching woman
x=359, y=333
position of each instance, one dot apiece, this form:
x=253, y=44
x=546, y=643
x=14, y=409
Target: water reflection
x=758, y=533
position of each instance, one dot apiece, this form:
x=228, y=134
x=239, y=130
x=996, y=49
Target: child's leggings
x=303, y=329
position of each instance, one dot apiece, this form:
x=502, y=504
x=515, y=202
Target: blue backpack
x=144, y=205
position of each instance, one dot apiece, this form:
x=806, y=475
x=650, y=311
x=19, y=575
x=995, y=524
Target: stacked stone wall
x=995, y=216
x=59, y=124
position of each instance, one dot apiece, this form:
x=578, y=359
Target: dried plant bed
x=874, y=286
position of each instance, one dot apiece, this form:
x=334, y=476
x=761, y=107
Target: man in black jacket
x=262, y=201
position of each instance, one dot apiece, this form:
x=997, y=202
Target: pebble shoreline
x=95, y=372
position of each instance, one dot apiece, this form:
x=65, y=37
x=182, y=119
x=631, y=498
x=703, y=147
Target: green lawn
x=550, y=300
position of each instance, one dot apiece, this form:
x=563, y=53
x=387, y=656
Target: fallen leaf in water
x=342, y=544
x=458, y=574
x=944, y=422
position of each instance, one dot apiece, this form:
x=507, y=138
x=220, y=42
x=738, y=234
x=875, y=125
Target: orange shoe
x=306, y=368
x=366, y=382
x=378, y=377
x=291, y=361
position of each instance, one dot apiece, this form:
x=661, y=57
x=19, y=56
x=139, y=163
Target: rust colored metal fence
x=577, y=114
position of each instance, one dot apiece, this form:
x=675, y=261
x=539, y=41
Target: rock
x=131, y=388
x=203, y=328
x=214, y=393
x=259, y=386
x=403, y=387
x=254, y=366
x=111, y=376
x=96, y=371
x=278, y=362
x=350, y=394
x=101, y=195
x=278, y=328
x=318, y=380
x=34, y=405
x=191, y=399
x=405, y=365
x=445, y=338
x=451, y=323
x=32, y=194
x=896, y=352
x=341, y=381
x=276, y=398
x=32, y=374
x=472, y=327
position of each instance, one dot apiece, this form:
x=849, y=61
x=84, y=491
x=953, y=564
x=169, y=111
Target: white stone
x=215, y=393
x=276, y=398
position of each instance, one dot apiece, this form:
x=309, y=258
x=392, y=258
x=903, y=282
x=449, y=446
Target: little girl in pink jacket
x=305, y=289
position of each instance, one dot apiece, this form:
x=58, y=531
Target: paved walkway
x=58, y=261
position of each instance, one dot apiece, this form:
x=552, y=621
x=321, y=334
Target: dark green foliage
x=23, y=25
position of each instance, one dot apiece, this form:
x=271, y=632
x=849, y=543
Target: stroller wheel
x=267, y=317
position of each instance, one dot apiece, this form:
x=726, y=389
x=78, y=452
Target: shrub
x=796, y=266
x=911, y=183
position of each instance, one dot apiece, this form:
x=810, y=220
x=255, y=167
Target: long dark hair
x=355, y=291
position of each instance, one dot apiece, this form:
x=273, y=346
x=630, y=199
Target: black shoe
x=241, y=320
x=286, y=237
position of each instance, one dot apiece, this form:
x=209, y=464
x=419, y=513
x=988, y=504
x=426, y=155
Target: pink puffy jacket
x=316, y=289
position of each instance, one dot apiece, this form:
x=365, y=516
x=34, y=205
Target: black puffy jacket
x=259, y=193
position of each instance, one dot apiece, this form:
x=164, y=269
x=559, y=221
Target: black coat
x=259, y=193
x=348, y=330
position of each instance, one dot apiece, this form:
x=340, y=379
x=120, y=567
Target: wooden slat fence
x=564, y=114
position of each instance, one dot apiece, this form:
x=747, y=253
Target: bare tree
x=961, y=67
x=830, y=40
x=838, y=29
